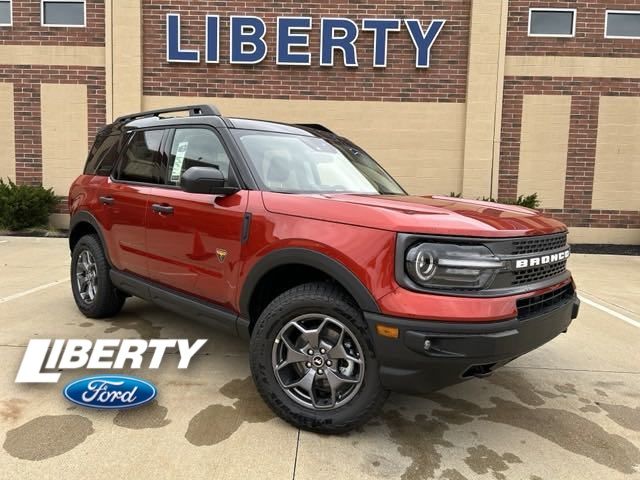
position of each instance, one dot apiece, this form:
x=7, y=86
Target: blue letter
x=346, y=43
x=212, y=37
x=247, y=31
x=423, y=41
x=380, y=28
x=286, y=40
x=174, y=52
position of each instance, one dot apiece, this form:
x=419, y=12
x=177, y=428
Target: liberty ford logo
x=110, y=391
x=542, y=260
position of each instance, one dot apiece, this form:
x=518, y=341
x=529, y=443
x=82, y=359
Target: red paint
x=412, y=214
x=182, y=247
x=359, y=231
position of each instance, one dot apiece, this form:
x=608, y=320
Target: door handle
x=106, y=200
x=162, y=208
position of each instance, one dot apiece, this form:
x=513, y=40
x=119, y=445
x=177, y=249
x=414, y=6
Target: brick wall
x=581, y=154
x=444, y=81
x=589, y=40
x=26, y=80
x=26, y=29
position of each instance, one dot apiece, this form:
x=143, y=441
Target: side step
x=177, y=302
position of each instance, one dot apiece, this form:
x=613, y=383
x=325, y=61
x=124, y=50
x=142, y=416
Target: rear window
x=141, y=159
x=102, y=156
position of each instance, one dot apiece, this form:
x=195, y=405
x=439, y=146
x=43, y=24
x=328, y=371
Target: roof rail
x=194, y=111
x=315, y=126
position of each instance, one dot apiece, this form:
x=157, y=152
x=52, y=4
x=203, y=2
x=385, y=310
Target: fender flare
x=310, y=258
x=84, y=216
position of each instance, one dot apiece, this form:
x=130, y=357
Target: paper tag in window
x=176, y=171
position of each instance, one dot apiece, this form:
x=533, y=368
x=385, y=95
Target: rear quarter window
x=103, y=155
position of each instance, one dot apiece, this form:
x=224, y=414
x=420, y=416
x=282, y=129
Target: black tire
x=325, y=299
x=108, y=300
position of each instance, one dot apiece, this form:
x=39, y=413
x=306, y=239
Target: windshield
x=303, y=164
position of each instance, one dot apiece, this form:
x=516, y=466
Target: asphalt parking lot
x=570, y=410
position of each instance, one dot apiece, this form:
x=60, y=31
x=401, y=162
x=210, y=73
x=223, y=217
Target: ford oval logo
x=110, y=391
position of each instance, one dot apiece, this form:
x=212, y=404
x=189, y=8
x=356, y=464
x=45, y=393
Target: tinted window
x=63, y=13
x=102, y=156
x=141, y=158
x=5, y=13
x=623, y=24
x=195, y=147
x=551, y=22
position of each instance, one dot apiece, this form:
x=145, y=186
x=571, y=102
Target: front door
x=193, y=240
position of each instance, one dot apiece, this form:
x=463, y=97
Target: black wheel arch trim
x=83, y=216
x=311, y=258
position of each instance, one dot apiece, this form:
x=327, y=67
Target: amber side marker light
x=386, y=331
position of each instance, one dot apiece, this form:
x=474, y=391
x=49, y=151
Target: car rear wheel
x=93, y=292
x=313, y=362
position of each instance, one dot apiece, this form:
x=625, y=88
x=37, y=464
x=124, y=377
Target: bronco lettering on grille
x=542, y=260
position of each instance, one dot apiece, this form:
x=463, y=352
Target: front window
x=304, y=164
x=195, y=147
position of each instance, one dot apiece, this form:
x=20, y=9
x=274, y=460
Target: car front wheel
x=313, y=362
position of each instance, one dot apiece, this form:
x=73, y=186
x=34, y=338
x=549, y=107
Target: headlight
x=449, y=266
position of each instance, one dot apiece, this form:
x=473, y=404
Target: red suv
x=293, y=237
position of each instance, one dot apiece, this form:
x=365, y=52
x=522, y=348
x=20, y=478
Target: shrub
x=529, y=201
x=25, y=206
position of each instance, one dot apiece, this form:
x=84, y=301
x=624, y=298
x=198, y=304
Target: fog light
x=427, y=344
x=386, y=331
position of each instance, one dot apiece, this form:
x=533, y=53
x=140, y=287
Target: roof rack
x=315, y=126
x=194, y=111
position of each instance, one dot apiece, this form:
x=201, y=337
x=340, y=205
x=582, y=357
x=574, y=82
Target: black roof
x=209, y=112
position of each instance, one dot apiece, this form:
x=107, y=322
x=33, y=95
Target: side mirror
x=205, y=180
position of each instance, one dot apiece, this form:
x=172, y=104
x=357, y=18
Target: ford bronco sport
x=294, y=238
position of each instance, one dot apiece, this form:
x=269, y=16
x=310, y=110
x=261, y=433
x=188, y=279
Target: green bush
x=25, y=206
x=529, y=201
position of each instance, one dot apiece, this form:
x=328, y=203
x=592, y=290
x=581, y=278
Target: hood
x=435, y=215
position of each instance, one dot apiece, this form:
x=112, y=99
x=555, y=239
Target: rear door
x=193, y=240
x=125, y=200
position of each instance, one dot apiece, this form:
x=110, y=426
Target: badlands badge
x=221, y=253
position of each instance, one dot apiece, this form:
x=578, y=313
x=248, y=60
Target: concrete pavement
x=569, y=410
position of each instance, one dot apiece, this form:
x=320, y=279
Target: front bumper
x=459, y=351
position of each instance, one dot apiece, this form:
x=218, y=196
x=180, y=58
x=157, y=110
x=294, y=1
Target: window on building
x=195, y=147
x=622, y=24
x=552, y=22
x=63, y=13
x=5, y=12
x=141, y=159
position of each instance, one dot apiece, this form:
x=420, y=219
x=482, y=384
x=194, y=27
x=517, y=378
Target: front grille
x=538, y=244
x=535, y=274
x=527, y=307
x=546, y=250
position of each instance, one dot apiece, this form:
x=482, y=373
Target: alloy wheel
x=87, y=276
x=318, y=361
